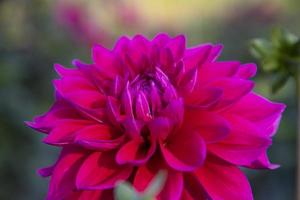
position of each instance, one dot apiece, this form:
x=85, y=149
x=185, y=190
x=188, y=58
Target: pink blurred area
x=102, y=21
x=84, y=27
x=74, y=19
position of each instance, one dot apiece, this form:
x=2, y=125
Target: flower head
x=150, y=105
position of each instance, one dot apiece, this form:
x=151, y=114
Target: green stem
x=297, y=78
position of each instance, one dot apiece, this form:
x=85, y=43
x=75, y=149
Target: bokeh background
x=34, y=34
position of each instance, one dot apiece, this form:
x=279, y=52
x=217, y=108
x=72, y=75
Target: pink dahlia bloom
x=154, y=104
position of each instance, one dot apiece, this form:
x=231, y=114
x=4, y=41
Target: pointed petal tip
x=181, y=38
x=140, y=36
x=281, y=107
x=76, y=62
x=106, y=177
x=219, y=46
x=35, y=126
x=45, y=171
x=273, y=166
x=121, y=42
x=30, y=124
x=162, y=34
x=59, y=69
x=96, y=46
x=216, y=52
x=51, y=141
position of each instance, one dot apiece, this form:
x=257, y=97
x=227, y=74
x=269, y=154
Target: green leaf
x=124, y=191
x=279, y=82
x=290, y=38
x=270, y=65
x=260, y=48
x=279, y=57
x=277, y=36
x=296, y=48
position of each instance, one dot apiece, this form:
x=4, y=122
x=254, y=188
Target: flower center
x=148, y=106
x=156, y=89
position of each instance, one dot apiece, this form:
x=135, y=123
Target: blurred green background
x=34, y=34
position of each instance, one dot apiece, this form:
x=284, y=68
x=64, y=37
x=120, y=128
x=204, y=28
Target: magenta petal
x=62, y=183
x=96, y=195
x=155, y=99
x=60, y=110
x=117, y=86
x=217, y=70
x=178, y=72
x=264, y=113
x=142, y=107
x=140, y=43
x=99, y=171
x=113, y=110
x=63, y=72
x=122, y=44
x=37, y=126
x=91, y=72
x=211, y=126
x=154, y=55
x=72, y=89
x=247, y=71
x=189, y=81
x=186, y=196
x=233, y=90
x=64, y=131
x=135, y=152
x=177, y=47
x=204, y=97
x=215, y=52
x=196, y=56
x=184, y=159
x=262, y=163
x=107, y=62
x=73, y=84
x=243, y=145
x=137, y=53
x=98, y=137
x=145, y=174
x=173, y=186
x=47, y=171
x=127, y=101
x=161, y=39
x=160, y=127
x=166, y=58
x=223, y=181
x=132, y=127
x=90, y=195
x=174, y=111
x=194, y=188
x=87, y=99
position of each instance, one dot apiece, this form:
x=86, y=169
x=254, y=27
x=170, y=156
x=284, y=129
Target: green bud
x=156, y=185
x=279, y=57
x=260, y=48
x=124, y=191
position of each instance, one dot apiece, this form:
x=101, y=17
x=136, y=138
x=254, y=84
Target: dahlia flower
x=150, y=105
